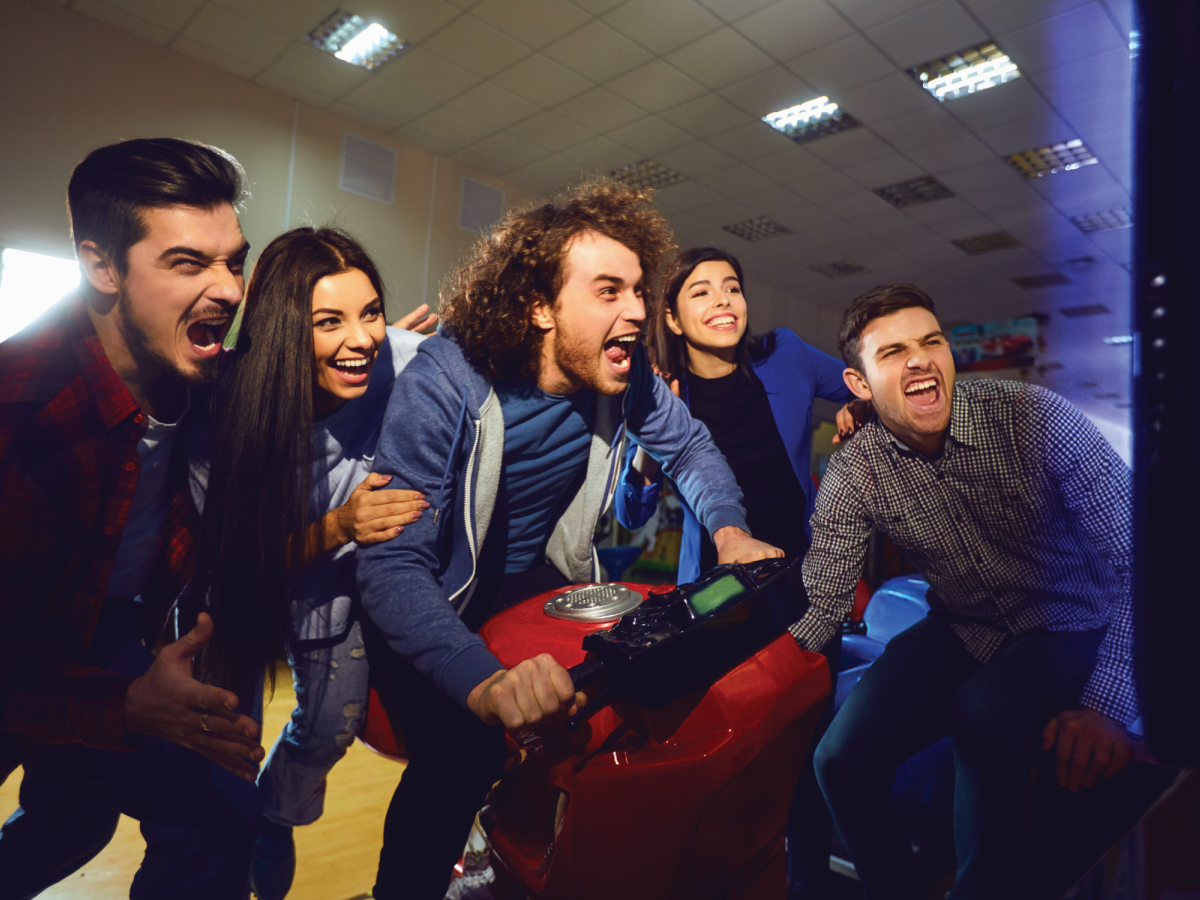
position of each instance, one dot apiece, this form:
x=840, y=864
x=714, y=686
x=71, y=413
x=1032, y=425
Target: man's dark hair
x=486, y=304
x=113, y=184
x=875, y=304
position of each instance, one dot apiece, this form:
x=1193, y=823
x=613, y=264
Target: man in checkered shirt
x=1018, y=512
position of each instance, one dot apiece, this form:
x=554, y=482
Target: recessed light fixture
x=1086, y=309
x=1050, y=279
x=809, y=121
x=1066, y=156
x=909, y=193
x=355, y=40
x=1119, y=339
x=1108, y=220
x=984, y=243
x=840, y=268
x=968, y=71
x=757, y=229
x=648, y=174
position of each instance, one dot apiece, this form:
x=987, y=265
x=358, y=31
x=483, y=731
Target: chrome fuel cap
x=593, y=603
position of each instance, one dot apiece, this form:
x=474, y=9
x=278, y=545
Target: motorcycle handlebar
x=586, y=673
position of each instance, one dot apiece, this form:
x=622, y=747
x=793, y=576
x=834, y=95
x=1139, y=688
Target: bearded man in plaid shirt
x=1019, y=514
x=97, y=534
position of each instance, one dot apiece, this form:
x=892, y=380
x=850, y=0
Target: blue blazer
x=793, y=375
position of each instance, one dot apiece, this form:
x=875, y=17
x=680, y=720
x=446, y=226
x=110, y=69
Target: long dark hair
x=670, y=349
x=256, y=515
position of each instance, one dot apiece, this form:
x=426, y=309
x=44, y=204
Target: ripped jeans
x=331, y=701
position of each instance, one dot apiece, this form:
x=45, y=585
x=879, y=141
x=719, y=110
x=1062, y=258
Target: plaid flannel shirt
x=69, y=432
x=1024, y=522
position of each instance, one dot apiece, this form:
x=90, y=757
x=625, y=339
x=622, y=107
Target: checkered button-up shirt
x=1024, y=522
x=69, y=465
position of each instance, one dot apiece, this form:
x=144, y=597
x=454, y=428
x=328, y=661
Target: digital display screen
x=716, y=595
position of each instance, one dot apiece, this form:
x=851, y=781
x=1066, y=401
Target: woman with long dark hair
x=284, y=477
x=755, y=394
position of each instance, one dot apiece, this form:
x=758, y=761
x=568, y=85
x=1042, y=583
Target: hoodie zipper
x=467, y=521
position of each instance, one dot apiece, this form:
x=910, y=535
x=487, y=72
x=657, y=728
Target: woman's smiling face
x=710, y=310
x=348, y=330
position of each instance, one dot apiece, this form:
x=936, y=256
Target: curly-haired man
x=512, y=422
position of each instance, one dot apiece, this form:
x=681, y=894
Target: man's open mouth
x=206, y=335
x=923, y=394
x=619, y=351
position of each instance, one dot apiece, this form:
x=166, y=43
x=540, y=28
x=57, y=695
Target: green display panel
x=716, y=595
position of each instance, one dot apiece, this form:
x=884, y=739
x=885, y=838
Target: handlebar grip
x=586, y=673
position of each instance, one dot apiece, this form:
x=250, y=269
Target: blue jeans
x=331, y=702
x=199, y=821
x=924, y=686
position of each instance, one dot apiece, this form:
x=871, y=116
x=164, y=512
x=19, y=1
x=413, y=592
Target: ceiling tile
x=493, y=104
x=290, y=88
x=597, y=7
x=1002, y=16
x=476, y=46
x=317, y=70
x=379, y=123
x=411, y=22
x=926, y=33
x=686, y=195
x=790, y=28
x=500, y=153
x=542, y=81
x=600, y=110
x=598, y=52
x=552, y=131
x=600, y=154
x=425, y=141
x=827, y=187
x=217, y=60
x=995, y=106
x=793, y=164
x=1110, y=117
x=696, y=159
x=1103, y=75
x=732, y=10
x=294, y=18
x=548, y=176
x=996, y=202
x=773, y=199
x=651, y=136
x=428, y=74
x=1083, y=191
x=534, y=22
x=720, y=58
x=1076, y=35
x=865, y=13
x=850, y=148
x=706, y=116
x=891, y=169
x=890, y=96
x=980, y=176
x=1025, y=134
x=736, y=181
x=969, y=226
x=390, y=100
x=883, y=222
x=452, y=126
x=770, y=90
x=945, y=156
x=1122, y=12
x=808, y=218
x=946, y=210
x=856, y=205
x=168, y=14
x=233, y=35
x=929, y=126
x=847, y=64
x=656, y=86
x=662, y=25
x=118, y=18
x=752, y=141
x=723, y=212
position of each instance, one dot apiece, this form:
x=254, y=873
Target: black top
x=738, y=414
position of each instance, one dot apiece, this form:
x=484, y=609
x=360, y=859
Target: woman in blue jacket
x=755, y=394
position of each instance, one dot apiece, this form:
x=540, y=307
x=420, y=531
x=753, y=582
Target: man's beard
x=581, y=363
x=147, y=354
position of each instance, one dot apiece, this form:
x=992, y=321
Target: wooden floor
x=336, y=855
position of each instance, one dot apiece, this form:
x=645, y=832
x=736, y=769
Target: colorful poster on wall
x=994, y=345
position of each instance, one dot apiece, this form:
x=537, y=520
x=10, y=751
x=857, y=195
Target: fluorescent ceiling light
x=1107, y=220
x=1066, y=156
x=648, y=174
x=965, y=72
x=917, y=190
x=839, y=268
x=353, y=39
x=757, y=229
x=1119, y=339
x=809, y=121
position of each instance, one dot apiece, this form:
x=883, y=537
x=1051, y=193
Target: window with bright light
x=30, y=283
